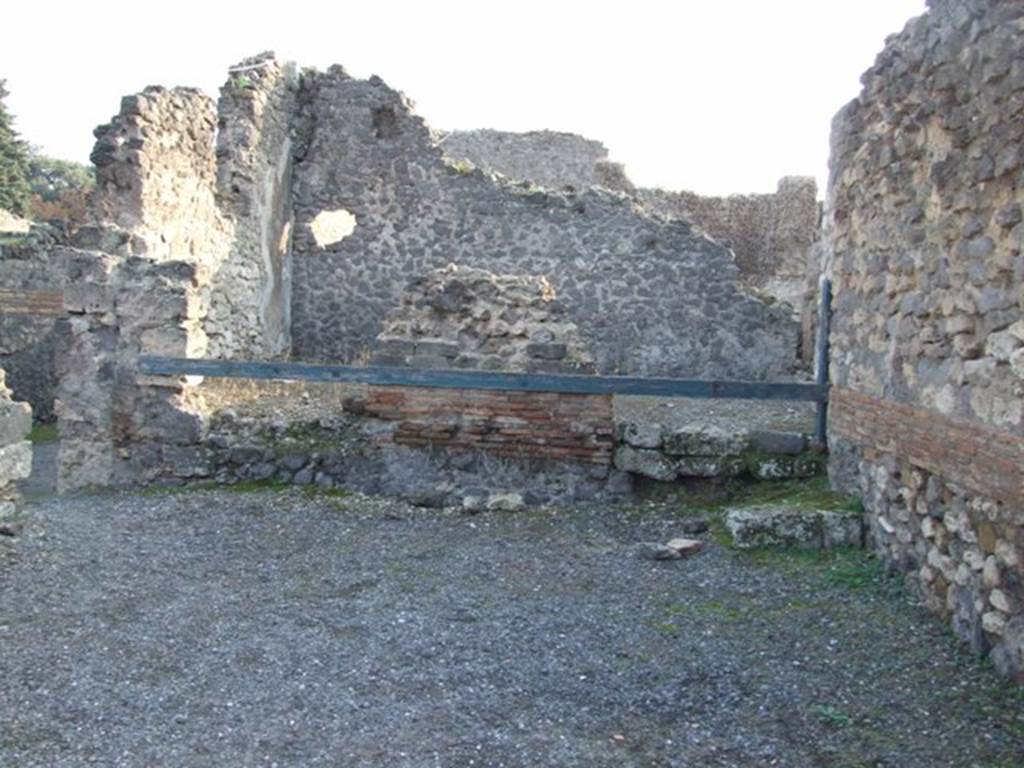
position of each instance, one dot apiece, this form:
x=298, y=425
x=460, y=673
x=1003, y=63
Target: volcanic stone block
x=787, y=526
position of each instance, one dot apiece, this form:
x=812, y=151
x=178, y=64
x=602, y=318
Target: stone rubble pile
x=461, y=317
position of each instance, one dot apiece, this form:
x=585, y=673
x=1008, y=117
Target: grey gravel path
x=43, y=480
x=216, y=628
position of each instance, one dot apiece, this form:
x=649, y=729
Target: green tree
x=50, y=178
x=14, y=157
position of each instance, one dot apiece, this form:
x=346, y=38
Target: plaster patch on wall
x=330, y=227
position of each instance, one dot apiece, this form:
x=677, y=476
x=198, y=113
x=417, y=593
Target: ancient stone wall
x=15, y=449
x=924, y=232
x=439, y=446
x=291, y=218
x=155, y=175
x=254, y=165
x=32, y=262
x=210, y=187
x=650, y=296
x=188, y=259
x=770, y=234
x=547, y=158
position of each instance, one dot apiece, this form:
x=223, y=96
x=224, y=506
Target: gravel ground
x=43, y=480
x=222, y=628
x=784, y=416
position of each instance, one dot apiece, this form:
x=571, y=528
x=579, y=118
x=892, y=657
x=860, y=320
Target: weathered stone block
x=645, y=435
x=707, y=440
x=652, y=464
x=189, y=461
x=88, y=298
x=1008, y=656
x=768, y=441
x=785, y=526
x=15, y=422
x=15, y=461
x=710, y=466
x=85, y=460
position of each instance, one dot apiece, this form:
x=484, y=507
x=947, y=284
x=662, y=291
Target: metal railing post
x=821, y=358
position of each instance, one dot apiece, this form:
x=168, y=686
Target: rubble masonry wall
x=924, y=229
x=772, y=235
x=188, y=258
x=650, y=296
x=31, y=262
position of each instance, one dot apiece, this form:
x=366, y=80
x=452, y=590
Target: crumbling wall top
x=463, y=317
x=156, y=170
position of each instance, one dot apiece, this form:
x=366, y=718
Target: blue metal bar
x=821, y=350
x=491, y=380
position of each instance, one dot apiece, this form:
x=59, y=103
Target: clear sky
x=716, y=96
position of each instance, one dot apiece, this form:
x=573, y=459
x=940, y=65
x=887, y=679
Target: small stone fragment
x=654, y=551
x=505, y=502
x=686, y=546
x=1001, y=601
x=993, y=622
x=473, y=504
x=431, y=498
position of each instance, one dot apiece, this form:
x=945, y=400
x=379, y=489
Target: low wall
x=451, y=444
x=945, y=502
x=704, y=451
x=446, y=443
x=15, y=449
x=527, y=425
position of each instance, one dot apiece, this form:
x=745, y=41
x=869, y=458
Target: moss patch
x=310, y=438
x=708, y=496
x=846, y=569
x=44, y=433
x=709, y=499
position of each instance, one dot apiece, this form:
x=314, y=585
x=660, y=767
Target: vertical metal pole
x=821, y=357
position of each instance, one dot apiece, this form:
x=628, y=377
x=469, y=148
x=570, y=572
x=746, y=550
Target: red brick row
x=526, y=425
x=977, y=456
